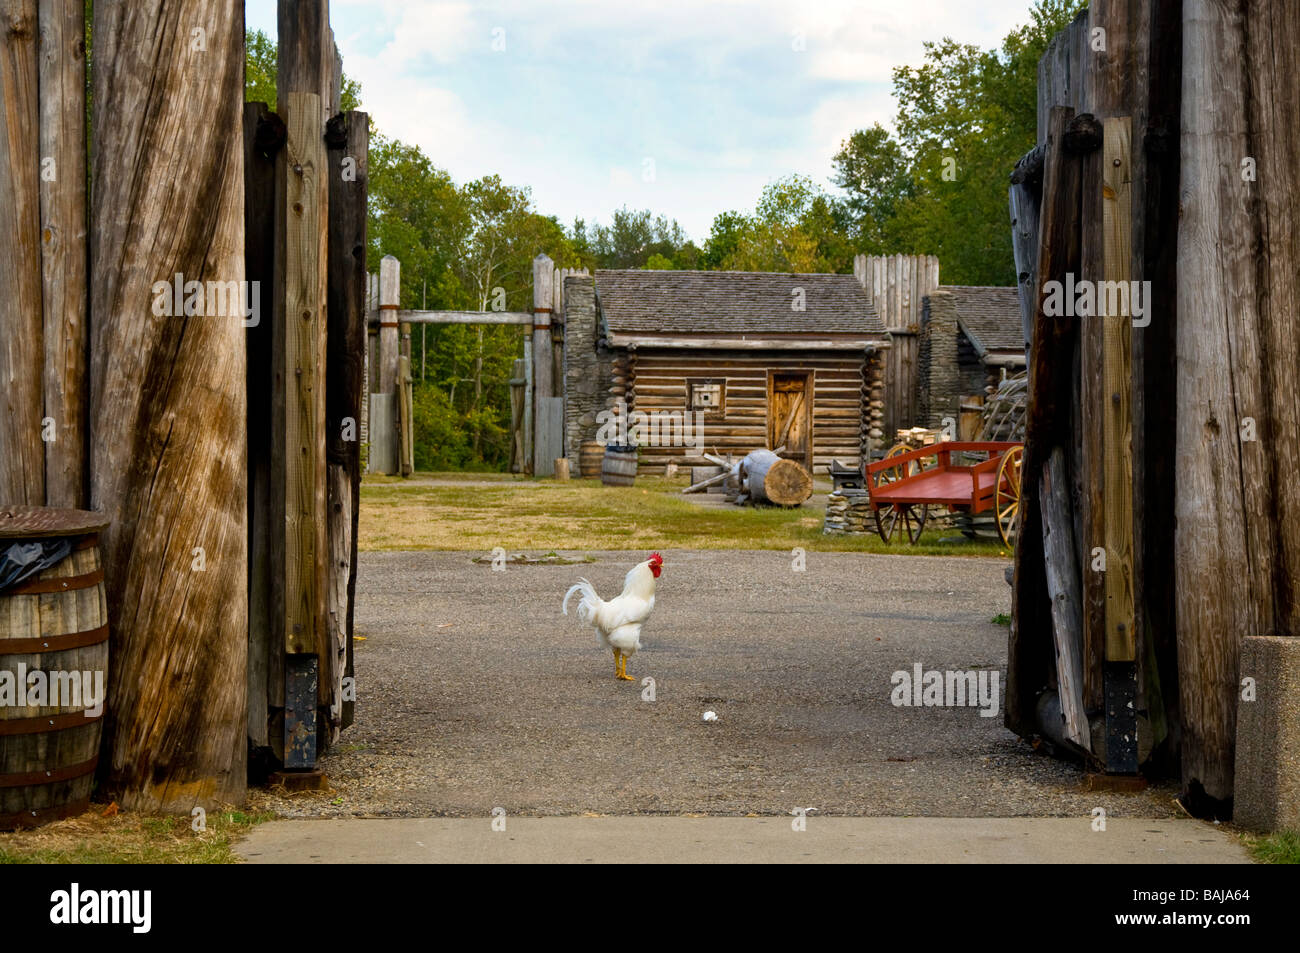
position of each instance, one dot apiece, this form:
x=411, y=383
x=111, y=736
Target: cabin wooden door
x=789, y=415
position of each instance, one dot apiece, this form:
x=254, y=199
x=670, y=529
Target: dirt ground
x=474, y=692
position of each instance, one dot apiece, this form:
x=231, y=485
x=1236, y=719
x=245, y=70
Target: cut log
x=773, y=479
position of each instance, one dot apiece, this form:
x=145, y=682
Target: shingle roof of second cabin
x=733, y=302
x=989, y=316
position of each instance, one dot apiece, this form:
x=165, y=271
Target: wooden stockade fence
x=537, y=399
x=215, y=431
x=897, y=284
x=1166, y=430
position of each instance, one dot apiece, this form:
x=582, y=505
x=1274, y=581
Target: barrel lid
x=30, y=522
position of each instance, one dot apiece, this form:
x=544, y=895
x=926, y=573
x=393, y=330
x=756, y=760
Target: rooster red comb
x=656, y=559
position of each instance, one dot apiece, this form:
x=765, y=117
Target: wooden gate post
x=543, y=449
x=383, y=418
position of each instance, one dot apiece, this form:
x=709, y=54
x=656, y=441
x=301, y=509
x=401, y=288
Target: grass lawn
x=1280, y=848
x=472, y=511
x=129, y=838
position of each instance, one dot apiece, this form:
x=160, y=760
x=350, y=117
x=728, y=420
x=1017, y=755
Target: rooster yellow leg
x=618, y=664
x=622, y=669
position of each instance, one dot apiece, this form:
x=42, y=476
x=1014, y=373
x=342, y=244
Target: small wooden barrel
x=55, y=623
x=618, y=468
x=590, y=455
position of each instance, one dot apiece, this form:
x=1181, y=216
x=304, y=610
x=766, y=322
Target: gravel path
x=474, y=693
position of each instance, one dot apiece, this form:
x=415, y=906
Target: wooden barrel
x=618, y=467
x=590, y=454
x=54, y=623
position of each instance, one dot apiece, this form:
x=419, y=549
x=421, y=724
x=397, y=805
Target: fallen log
x=773, y=479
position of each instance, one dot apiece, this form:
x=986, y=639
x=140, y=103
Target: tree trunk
x=167, y=399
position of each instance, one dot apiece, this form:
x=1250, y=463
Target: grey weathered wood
x=346, y=386
x=1237, y=541
x=550, y=434
x=383, y=433
x=1062, y=565
x=543, y=368
x=22, y=453
x=63, y=244
x=1046, y=424
x=465, y=317
x=168, y=448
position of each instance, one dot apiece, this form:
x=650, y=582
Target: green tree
x=260, y=72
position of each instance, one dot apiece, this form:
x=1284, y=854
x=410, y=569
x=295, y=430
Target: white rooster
x=618, y=622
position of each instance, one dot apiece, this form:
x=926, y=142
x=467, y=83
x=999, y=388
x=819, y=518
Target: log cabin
x=757, y=360
x=969, y=337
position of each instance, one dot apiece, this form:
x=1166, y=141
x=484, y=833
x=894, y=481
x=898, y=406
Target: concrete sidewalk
x=640, y=839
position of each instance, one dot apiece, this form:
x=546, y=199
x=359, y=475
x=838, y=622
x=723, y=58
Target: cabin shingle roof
x=733, y=302
x=990, y=317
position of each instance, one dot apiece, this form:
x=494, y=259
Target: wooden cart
x=971, y=476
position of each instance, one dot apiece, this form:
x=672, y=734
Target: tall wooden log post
x=264, y=135
x=383, y=405
x=545, y=431
x=22, y=453
x=300, y=545
x=63, y=247
x=1237, y=506
x=167, y=396
x=349, y=142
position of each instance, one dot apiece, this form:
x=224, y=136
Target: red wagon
x=906, y=483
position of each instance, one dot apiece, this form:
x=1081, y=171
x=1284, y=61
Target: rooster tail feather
x=587, y=605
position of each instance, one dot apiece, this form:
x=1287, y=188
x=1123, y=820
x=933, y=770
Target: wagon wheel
x=1008, y=496
x=914, y=521
x=886, y=514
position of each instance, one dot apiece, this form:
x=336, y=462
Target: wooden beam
x=63, y=245
x=748, y=344
x=1117, y=385
x=1030, y=657
x=1062, y=566
x=22, y=452
x=263, y=138
x=390, y=296
x=465, y=317
x=167, y=402
x=543, y=366
x=345, y=377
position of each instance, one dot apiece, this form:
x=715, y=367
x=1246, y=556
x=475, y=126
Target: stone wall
x=939, y=372
x=588, y=365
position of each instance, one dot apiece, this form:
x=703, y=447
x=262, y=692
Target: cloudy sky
x=686, y=107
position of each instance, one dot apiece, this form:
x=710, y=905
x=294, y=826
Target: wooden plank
x=302, y=189
x=346, y=387
x=1062, y=567
x=1030, y=658
x=1234, y=556
x=543, y=382
x=63, y=244
x=22, y=452
x=265, y=675
x=465, y=317
x=1117, y=386
x=405, y=424
x=167, y=404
